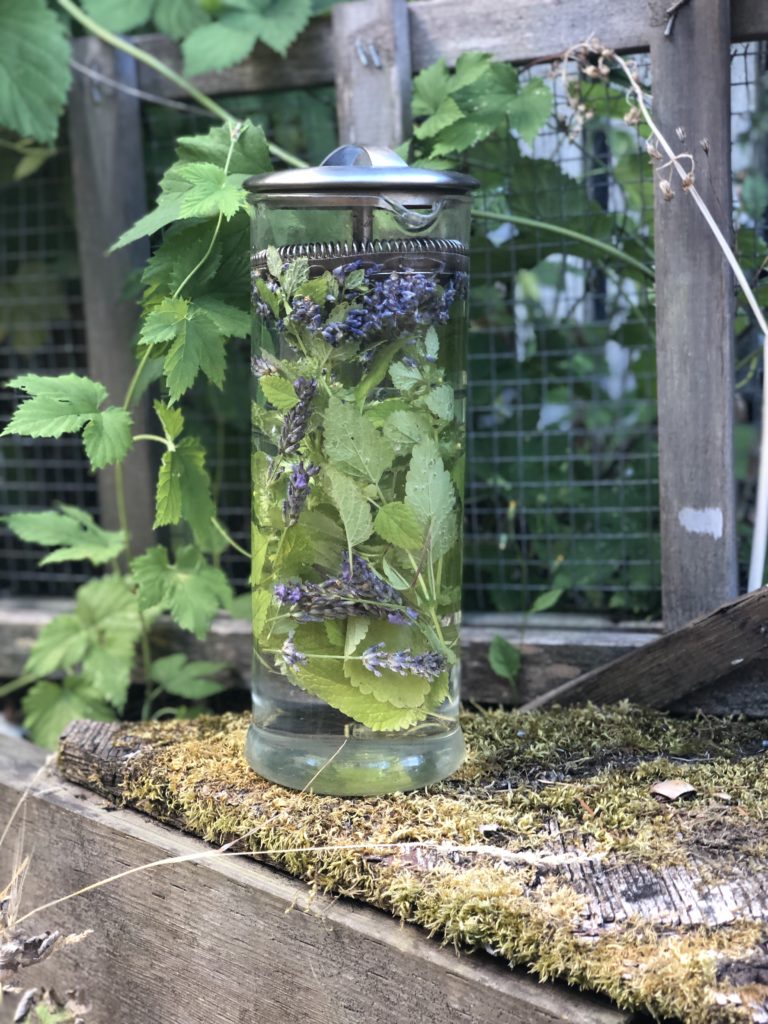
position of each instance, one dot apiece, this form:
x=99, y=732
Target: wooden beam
x=106, y=149
x=372, y=64
x=677, y=664
x=694, y=317
x=230, y=940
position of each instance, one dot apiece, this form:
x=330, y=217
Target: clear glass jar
x=359, y=273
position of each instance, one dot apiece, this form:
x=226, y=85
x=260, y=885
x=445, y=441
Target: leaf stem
x=577, y=236
x=155, y=437
x=230, y=540
x=162, y=69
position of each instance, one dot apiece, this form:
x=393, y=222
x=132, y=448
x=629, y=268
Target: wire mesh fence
x=562, y=495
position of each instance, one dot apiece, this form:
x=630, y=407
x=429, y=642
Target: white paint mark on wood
x=702, y=520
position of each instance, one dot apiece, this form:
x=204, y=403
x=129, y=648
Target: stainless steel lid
x=361, y=169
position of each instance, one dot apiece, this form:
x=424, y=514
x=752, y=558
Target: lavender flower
x=428, y=666
x=296, y=419
x=292, y=658
x=298, y=489
x=307, y=312
x=262, y=367
x=359, y=592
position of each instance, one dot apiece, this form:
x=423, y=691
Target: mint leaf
x=354, y=510
x=430, y=493
x=530, y=109
x=191, y=589
x=50, y=707
x=177, y=18
x=211, y=191
x=260, y=605
x=107, y=438
x=56, y=406
x=188, y=679
x=71, y=531
x=356, y=630
x=406, y=691
x=504, y=659
x=120, y=15
x=398, y=524
x=407, y=427
x=34, y=69
x=278, y=392
x=100, y=637
x=353, y=444
x=405, y=377
x=440, y=401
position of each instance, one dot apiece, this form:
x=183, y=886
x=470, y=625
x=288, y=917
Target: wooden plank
x=677, y=664
x=694, y=319
x=231, y=940
x=108, y=173
x=372, y=62
x=308, y=62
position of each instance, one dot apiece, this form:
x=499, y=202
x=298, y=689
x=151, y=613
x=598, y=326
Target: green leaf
x=430, y=88
x=177, y=18
x=34, y=69
x=231, y=321
x=546, y=601
x=447, y=113
x=356, y=630
x=107, y=438
x=166, y=211
x=260, y=605
x=278, y=392
x=120, y=15
x=167, y=493
x=430, y=493
x=71, y=531
x=354, y=510
x=184, y=247
x=219, y=44
x=171, y=418
x=184, y=491
x=530, y=109
x=470, y=66
x=188, y=679
x=164, y=321
x=211, y=191
x=191, y=589
x=198, y=346
x=353, y=444
x=56, y=406
x=390, y=687
x=398, y=524
x=440, y=401
x=50, y=707
x=504, y=659
x=405, y=377
x=250, y=154
x=409, y=428
x=100, y=637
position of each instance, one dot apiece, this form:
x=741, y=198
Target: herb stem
x=155, y=437
x=230, y=540
x=157, y=65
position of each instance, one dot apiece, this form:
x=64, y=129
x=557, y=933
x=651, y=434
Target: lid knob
x=363, y=156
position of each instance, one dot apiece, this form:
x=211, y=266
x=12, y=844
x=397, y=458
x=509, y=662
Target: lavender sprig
x=429, y=666
x=296, y=419
x=292, y=658
x=359, y=592
x=298, y=490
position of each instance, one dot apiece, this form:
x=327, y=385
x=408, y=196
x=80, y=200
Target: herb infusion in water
x=358, y=465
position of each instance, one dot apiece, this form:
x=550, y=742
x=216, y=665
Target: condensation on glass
x=359, y=276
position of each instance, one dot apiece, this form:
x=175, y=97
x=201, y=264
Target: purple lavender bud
x=261, y=367
x=410, y=362
x=372, y=658
x=298, y=490
x=297, y=419
x=429, y=666
x=292, y=657
x=287, y=593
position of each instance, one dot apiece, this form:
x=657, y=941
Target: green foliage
x=190, y=680
x=71, y=531
x=34, y=69
x=189, y=588
x=505, y=660
x=50, y=707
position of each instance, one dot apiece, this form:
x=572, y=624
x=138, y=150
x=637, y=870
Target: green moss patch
x=548, y=848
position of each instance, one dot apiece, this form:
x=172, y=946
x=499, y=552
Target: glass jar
x=359, y=275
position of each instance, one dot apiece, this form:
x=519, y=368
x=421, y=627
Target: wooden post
x=694, y=314
x=108, y=173
x=372, y=56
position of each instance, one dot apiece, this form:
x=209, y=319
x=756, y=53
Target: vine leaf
x=166, y=211
x=210, y=191
x=66, y=405
x=184, y=491
x=176, y=675
x=353, y=444
x=99, y=637
x=250, y=154
x=177, y=18
x=71, y=531
x=121, y=15
x=191, y=589
x=398, y=524
x=354, y=510
x=50, y=707
x=171, y=418
x=196, y=341
x=430, y=493
x=34, y=69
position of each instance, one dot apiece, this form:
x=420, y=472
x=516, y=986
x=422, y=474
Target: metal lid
x=361, y=169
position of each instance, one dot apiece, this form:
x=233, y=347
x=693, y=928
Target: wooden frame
x=689, y=69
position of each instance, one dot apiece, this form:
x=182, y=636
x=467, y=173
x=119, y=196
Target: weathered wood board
x=677, y=664
x=548, y=848
x=230, y=940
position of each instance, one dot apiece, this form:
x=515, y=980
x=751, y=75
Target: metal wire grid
x=41, y=331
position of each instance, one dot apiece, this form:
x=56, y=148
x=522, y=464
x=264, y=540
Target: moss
x=536, y=789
